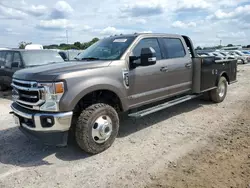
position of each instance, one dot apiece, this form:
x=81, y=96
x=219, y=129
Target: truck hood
x=51, y=71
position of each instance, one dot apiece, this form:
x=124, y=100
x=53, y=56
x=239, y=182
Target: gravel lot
x=194, y=144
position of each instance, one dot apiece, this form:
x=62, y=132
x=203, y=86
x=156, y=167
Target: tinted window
x=17, y=58
x=174, y=48
x=2, y=54
x=8, y=59
x=146, y=43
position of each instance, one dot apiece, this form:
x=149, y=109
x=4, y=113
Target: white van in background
x=4, y=48
x=34, y=47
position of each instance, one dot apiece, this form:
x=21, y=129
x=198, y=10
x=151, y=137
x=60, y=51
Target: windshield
x=107, y=49
x=246, y=52
x=40, y=57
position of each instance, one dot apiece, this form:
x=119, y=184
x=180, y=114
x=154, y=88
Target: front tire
x=96, y=128
x=218, y=95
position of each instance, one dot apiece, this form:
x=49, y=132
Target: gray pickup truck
x=137, y=74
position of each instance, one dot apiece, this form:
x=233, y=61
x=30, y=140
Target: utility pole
x=67, y=42
x=67, y=37
x=220, y=42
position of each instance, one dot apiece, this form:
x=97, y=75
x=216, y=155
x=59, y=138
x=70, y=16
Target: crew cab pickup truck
x=12, y=60
x=137, y=75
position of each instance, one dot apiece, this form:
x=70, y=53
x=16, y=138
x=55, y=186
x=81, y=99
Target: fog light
x=47, y=121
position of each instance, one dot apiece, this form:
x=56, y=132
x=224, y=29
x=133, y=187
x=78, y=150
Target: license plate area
x=17, y=120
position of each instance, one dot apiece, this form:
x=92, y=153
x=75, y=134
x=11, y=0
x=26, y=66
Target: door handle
x=188, y=65
x=164, y=69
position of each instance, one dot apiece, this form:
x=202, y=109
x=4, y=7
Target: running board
x=159, y=107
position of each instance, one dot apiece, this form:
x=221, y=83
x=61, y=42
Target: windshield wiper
x=90, y=58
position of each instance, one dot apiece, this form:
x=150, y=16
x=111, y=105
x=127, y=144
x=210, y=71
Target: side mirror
x=15, y=64
x=148, y=56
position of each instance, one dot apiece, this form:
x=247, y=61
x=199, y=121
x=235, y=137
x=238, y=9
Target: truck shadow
x=16, y=149
x=131, y=125
x=5, y=94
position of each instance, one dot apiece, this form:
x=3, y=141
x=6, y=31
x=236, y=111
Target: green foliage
x=219, y=47
x=230, y=45
x=198, y=48
x=23, y=44
x=77, y=45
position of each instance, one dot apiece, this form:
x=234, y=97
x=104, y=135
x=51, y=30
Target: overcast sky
x=46, y=21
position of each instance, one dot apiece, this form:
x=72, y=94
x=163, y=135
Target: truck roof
x=147, y=34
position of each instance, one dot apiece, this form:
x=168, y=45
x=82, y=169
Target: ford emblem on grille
x=15, y=94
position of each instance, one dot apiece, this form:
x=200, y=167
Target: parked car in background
x=244, y=58
x=217, y=54
x=211, y=54
x=14, y=60
x=225, y=54
x=204, y=54
x=246, y=52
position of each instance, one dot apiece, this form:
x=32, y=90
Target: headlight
x=52, y=94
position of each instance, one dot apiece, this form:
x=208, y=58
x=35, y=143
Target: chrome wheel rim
x=221, y=90
x=102, y=129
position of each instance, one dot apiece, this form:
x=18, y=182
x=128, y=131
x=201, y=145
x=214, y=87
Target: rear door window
x=17, y=58
x=174, y=48
x=8, y=59
x=2, y=58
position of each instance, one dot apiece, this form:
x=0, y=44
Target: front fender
x=80, y=89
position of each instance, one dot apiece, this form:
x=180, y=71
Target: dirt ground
x=194, y=144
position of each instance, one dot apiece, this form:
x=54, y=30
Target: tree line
x=64, y=46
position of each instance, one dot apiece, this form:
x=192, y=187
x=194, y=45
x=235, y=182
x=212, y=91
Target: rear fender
x=223, y=73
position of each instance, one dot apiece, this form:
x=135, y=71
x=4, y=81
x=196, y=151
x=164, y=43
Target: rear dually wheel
x=218, y=95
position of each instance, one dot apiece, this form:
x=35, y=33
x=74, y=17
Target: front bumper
x=50, y=128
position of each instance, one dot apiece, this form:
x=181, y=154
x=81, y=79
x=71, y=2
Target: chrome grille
x=27, y=93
